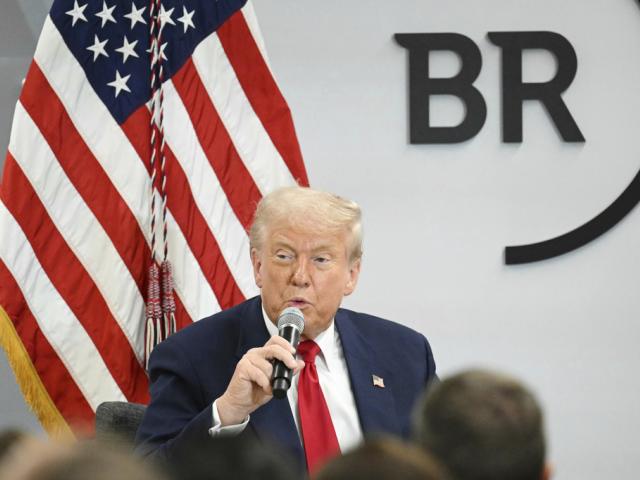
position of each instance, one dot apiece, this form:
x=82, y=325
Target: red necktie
x=320, y=441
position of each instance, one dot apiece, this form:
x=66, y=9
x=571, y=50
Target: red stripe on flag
x=73, y=283
x=61, y=387
x=236, y=181
x=194, y=227
x=86, y=173
x=262, y=91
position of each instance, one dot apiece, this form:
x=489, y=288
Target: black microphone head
x=291, y=316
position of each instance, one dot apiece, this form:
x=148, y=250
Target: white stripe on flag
x=252, y=142
x=207, y=192
x=80, y=229
x=66, y=335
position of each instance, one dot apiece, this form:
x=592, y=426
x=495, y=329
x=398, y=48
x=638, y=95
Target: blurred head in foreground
x=221, y=458
x=383, y=459
x=10, y=439
x=39, y=460
x=483, y=426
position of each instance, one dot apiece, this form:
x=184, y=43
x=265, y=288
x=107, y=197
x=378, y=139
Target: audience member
x=383, y=459
x=9, y=439
x=36, y=460
x=483, y=426
x=239, y=457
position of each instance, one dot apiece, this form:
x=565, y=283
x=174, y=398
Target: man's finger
x=278, y=352
x=278, y=340
x=262, y=364
x=258, y=377
x=299, y=367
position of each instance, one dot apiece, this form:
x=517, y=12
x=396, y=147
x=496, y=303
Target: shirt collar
x=271, y=328
x=326, y=340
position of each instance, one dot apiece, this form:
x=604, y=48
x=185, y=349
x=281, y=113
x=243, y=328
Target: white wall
x=438, y=217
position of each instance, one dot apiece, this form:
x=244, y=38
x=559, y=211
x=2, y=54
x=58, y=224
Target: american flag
x=75, y=237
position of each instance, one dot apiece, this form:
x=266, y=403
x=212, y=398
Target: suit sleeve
x=431, y=364
x=178, y=409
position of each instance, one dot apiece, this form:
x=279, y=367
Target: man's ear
x=256, y=261
x=547, y=472
x=354, y=273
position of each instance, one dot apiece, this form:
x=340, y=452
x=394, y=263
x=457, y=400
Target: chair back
x=118, y=422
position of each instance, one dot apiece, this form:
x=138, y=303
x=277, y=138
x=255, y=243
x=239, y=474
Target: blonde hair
x=302, y=205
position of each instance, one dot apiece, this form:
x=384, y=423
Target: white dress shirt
x=336, y=386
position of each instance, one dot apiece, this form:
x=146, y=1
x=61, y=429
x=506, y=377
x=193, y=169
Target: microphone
x=290, y=327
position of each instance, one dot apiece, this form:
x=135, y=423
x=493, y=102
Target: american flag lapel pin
x=377, y=381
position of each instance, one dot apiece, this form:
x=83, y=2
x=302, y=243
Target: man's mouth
x=297, y=302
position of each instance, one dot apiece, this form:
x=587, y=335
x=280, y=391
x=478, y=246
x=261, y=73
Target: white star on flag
x=127, y=49
x=120, y=83
x=77, y=13
x=162, y=47
x=151, y=50
x=187, y=19
x=98, y=47
x=165, y=16
x=106, y=14
x=136, y=15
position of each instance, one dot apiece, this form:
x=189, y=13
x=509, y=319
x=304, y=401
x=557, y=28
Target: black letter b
x=421, y=86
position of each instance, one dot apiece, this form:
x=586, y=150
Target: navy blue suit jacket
x=193, y=367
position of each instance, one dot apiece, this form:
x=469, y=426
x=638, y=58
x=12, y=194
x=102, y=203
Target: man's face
x=306, y=268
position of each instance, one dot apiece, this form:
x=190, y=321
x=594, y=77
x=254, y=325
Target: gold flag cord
x=31, y=385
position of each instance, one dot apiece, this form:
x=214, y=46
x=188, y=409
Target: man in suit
x=355, y=374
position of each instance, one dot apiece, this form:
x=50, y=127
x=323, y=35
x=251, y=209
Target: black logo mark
x=514, y=92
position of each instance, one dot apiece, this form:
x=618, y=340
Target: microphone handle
x=282, y=375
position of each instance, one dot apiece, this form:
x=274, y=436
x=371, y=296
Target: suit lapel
x=273, y=420
x=376, y=406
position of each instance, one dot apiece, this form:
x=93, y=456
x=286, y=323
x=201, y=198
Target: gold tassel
x=27, y=377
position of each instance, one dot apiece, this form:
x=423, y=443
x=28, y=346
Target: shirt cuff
x=230, y=430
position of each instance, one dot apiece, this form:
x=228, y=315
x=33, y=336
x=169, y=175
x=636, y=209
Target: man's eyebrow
x=325, y=248
x=282, y=243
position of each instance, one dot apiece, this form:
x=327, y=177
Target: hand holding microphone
x=250, y=386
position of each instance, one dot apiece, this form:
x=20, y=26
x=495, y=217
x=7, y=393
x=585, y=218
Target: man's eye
x=283, y=256
x=321, y=260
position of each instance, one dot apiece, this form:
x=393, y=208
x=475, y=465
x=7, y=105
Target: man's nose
x=300, y=277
